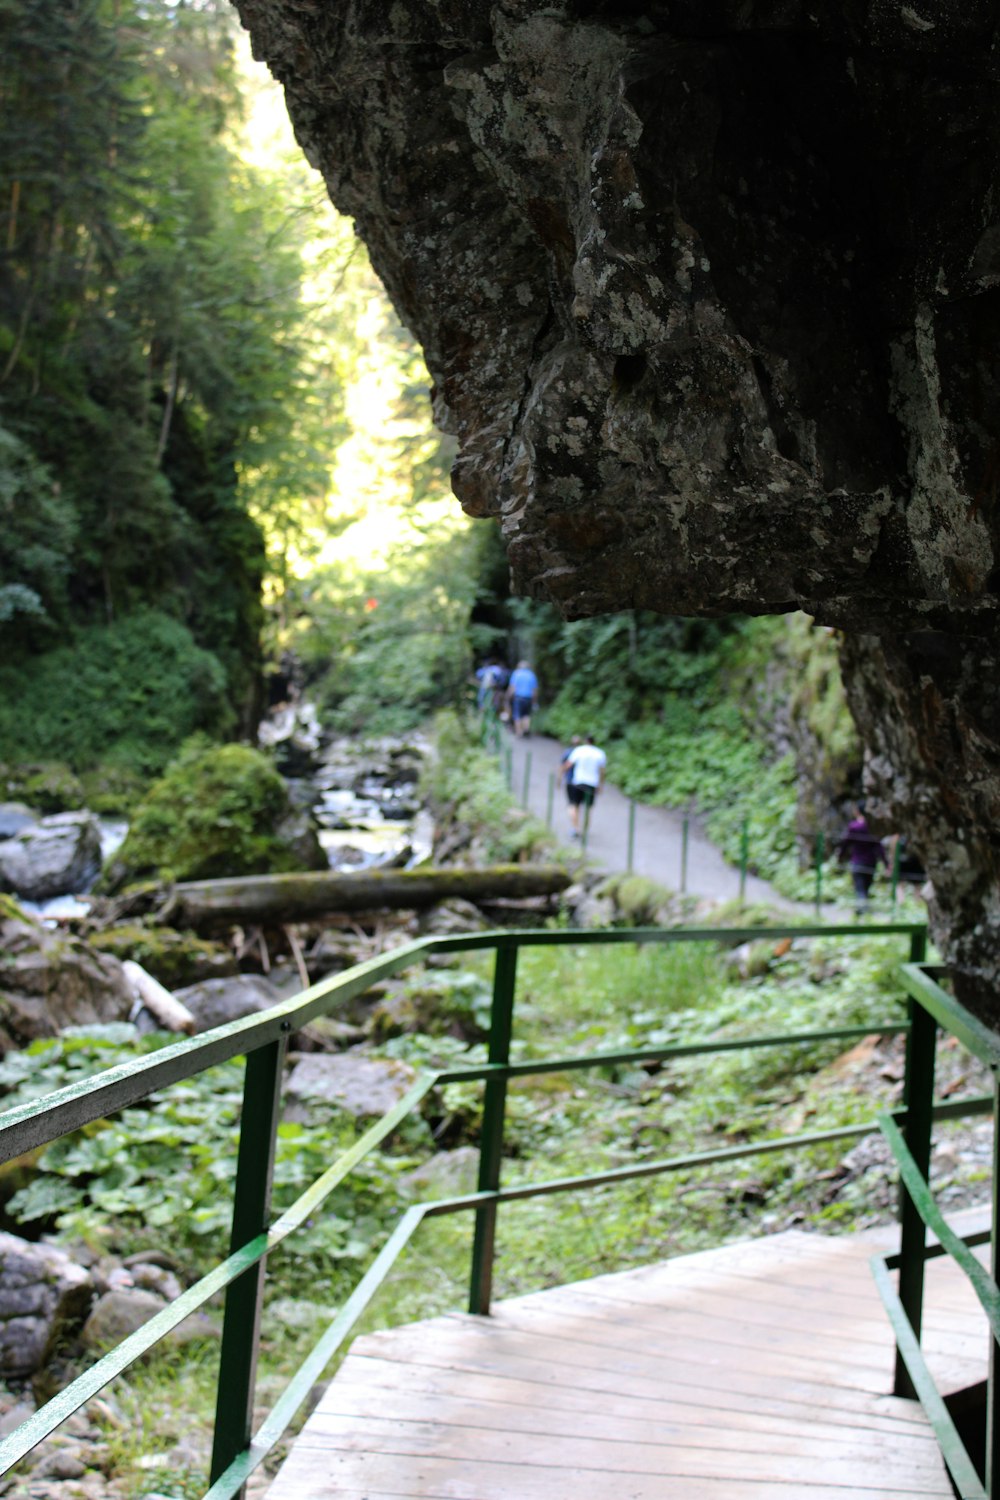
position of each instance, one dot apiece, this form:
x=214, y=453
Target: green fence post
x=918, y=1102
x=993, y=1372
x=527, y=778
x=491, y=1143
x=685, y=836
x=244, y=1296
x=509, y=767
x=630, y=856
x=820, y=855
x=586, y=828
x=895, y=874
x=744, y=856
x=550, y=800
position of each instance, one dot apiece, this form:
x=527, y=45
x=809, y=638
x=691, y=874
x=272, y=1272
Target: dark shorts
x=522, y=708
x=580, y=796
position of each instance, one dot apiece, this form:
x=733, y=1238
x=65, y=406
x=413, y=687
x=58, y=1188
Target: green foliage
x=49, y=787
x=215, y=812
x=169, y=1163
x=167, y=361
x=37, y=532
x=385, y=648
x=466, y=787
x=127, y=693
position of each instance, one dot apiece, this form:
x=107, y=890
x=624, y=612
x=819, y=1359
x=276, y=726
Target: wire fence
x=829, y=879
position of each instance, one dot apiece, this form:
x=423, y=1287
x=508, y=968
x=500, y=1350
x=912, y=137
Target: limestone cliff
x=710, y=292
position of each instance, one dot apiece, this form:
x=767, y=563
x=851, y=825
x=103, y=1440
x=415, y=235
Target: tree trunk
x=295, y=898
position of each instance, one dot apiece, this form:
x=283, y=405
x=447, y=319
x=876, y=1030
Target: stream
x=362, y=796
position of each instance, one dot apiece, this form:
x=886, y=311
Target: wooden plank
x=690, y=1427
x=719, y=1334
x=864, y=1335
x=757, y=1372
x=320, y=1476
x=847, y=1321
x=513, y=1354
x=491, y=1445
x=696, y=1347
x=389, y=1380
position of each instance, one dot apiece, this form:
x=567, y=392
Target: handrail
x=920, y=1212
x=263, y=1038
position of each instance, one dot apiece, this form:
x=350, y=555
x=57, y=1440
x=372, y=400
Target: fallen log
x=171, y=1014
x=295, y=898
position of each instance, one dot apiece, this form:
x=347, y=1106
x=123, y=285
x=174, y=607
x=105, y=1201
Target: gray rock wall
x=709, y=293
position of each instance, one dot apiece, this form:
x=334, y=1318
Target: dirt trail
x=657, y=849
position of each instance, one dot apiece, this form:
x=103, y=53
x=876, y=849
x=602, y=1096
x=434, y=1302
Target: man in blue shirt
x=522, y=695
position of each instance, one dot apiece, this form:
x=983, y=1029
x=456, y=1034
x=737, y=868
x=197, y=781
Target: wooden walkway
x=758, y=1371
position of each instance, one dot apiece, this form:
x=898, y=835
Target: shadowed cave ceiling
x=709, y=291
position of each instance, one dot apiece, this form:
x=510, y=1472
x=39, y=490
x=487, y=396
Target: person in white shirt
x=583, y=772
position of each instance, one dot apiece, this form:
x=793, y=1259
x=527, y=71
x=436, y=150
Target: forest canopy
x=171, y=382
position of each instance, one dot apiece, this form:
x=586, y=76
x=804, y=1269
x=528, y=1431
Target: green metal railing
x=263, y=1039
x=934, y=1009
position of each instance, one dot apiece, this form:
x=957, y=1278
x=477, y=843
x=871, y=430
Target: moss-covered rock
x=217, y=811
x=437, y=1003
x=174, y=958
x=640, y=902
x=49, y=786
x=113, y=791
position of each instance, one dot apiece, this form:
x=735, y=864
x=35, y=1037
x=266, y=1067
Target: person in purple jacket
x=862, y=851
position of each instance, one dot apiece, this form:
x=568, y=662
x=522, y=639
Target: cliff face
x=710, y=293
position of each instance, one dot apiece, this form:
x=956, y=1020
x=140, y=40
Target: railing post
x=820, y=852
x=630, y=857
x=245, y=1296
x=744, y=858
x=992, y=1382
x=685, y=835
x=550, y=800
x=918, y=1101
x=491, y=1143
x=527, y=778
x=895, y=875
x=586, y=827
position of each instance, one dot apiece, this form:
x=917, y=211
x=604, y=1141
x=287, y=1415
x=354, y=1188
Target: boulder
x=447, y=1174
x=449, y=917
x=117, y=1314
x=354, y=1082
x=214, y=813
x=43, y=1296
x=215, y=1002
x=15, y=817
x=174, y=958
x=47, y=786
x=297, y=832
x=50, y=981
x=56, y=856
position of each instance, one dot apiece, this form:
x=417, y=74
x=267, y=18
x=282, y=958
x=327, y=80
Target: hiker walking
x=522, y=694
x=863, y=852
x=583, y=772
x=565, y=773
